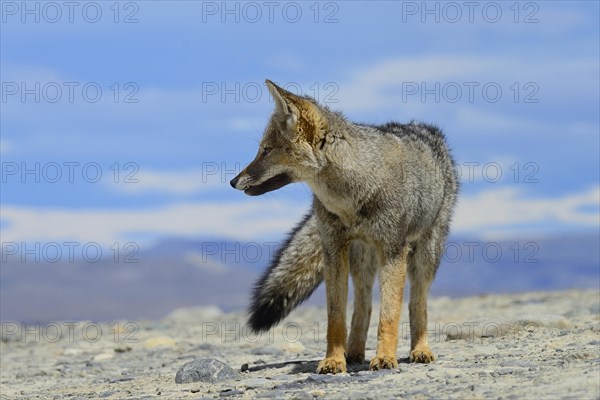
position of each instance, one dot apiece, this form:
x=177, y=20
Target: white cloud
x=380, y=84
x=253, y=219
x=498, y=210
x=492, y=122
x=494, y=169
x=5, y=146
x=504, y=208
x=209, y=177
x=498, y=122
x=365, y=90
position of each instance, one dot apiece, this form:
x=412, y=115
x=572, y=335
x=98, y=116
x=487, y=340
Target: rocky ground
x=522, y=346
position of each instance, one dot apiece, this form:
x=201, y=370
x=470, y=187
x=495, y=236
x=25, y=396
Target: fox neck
x=340, y=184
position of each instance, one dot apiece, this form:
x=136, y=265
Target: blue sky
x=515, y=87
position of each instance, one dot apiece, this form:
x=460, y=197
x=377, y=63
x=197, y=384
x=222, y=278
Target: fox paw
x=331, y=366
x=384, y=362
x=356, y=358
x=421, y=355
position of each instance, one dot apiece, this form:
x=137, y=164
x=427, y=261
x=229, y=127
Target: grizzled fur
x=383, y=200
x=299, y=260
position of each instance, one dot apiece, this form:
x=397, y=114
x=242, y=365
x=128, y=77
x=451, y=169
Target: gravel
x=529, y=345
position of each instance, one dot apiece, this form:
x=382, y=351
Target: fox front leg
x=336, y=286
x=363, y=266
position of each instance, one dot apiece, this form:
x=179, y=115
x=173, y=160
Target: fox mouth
x=270, y=184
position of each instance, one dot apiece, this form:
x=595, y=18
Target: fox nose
x=234, y=181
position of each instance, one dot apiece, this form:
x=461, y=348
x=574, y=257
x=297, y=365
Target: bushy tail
x=294, y=274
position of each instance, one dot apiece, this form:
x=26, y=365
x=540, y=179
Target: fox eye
x=266, y=150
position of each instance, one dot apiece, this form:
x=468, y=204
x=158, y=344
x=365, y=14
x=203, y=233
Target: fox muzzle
x=269, y=185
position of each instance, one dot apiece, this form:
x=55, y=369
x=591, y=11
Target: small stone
x=122, y=348
x=544, y=320
x=245, y=367
x=103, y=356
x=420, y=393
x=69, y=352
x=505, y=371
x=517, y=363
x=302, y=396
x=120, y=379
x=255, y=383
x=485, y=350
x=205, y=347
x=230, y=392
x=291, y=385
x=328, y=378
x=293, y=347
x=282, y=377
x=159, y=341
x=273, y=394
x=204, y=370
x=268, y=350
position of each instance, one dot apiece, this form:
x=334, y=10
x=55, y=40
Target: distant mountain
x=182, y=272
x=146, y=285
x=554, y=263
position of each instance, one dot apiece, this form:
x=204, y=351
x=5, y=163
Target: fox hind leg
x=421, y=271
x=362, y=267
x=392, y=276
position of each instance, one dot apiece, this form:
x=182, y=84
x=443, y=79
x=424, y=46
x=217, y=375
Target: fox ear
x=298, y=112
x=285, y=109
x=281, y=106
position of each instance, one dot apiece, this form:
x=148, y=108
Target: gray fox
x=383, y=197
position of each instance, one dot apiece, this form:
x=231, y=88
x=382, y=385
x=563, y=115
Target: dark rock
x=230, y=392
x=123, y=379
x=272, y=394
x=122, y=348
x=328, y=378
x=253, y=383
x=291, y=385
x=302, y=396
x=204, y=370
x=204, y=347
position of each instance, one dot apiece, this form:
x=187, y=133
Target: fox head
x=289, y=150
